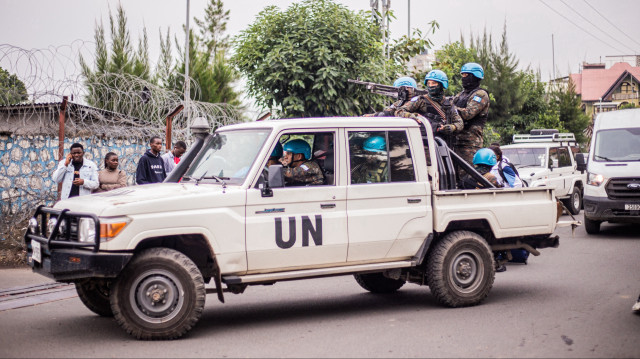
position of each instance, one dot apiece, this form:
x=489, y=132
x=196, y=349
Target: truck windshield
x=227, y=156
x=617, y=145
x=526, y=157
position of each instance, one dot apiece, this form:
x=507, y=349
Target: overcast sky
x=38, y=24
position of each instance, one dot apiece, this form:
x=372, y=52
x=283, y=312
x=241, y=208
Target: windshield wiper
x=201, y=177
x=604, y=158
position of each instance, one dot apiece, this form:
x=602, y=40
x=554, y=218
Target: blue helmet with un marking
x=405, y=81
x=298, y=146
x=473, y=68
x=277, y=152
x=438, y=76
x=485, y=156
x=375, y=144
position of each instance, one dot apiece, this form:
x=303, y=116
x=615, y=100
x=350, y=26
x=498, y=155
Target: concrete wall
x=28, y=161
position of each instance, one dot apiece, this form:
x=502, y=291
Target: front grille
x=619, y=188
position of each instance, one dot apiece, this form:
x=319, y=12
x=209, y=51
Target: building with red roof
x=603, y=89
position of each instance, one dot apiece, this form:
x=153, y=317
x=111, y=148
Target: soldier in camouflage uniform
x=299, y=169
x=408, y=82
x=373, y=168
x=433, y=105
x=473, y=105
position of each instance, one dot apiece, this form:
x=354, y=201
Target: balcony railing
x=625, y=96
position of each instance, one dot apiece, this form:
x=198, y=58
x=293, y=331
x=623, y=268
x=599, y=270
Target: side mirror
x=553, y=163
x=275, y=179
x=581, y=164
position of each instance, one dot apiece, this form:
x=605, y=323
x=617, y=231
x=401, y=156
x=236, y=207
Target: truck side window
x=553, y=155
x=380, y=156
x=563, y=157
x=400, y=157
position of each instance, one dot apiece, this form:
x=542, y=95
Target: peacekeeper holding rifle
x=445, y=120
x=410, y=84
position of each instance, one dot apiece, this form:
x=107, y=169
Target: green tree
x=571, y=116
x=12, y=89
x=298, y=61
x=501, y=78
x=117, y=70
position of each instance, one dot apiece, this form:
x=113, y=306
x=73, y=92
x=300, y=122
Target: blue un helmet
x=277, y=152
x=375, y=144
x=485, y=156
x=298, y=146
x=405, y=81
x=438, y=76
x=473, y=68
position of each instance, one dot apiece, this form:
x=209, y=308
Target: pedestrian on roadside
x=78, y=175
x=151, y=167
x=110, y=177
x=172, y=158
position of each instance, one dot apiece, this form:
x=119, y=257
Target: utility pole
x=553, y=57
x=187, y=90
x=408, y=19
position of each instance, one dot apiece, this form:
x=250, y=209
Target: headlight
x=87, y=230
x=595, y=179
x=109, y=228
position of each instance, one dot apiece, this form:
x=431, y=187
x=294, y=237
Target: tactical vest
x=461, y=102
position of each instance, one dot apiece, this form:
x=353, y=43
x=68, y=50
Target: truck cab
x=548, y=158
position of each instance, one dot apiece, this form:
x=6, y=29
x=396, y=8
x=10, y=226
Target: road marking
x=20, y=297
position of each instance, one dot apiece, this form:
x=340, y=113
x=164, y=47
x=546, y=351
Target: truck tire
x=378, y=283
x=94, y=294
x=574, y=202
x=159, y=295
x=591, y=226
x=460, y=269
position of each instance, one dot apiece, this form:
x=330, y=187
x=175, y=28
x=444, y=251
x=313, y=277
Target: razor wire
x=113, y=104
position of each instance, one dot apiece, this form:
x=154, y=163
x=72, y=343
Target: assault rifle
x=401, y=93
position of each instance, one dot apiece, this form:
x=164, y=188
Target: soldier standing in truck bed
x=410, y=84
x=473, y=106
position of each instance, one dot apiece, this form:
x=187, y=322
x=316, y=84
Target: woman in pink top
x=111, y=177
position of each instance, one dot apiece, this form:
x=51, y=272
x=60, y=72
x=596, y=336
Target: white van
x=612, y=192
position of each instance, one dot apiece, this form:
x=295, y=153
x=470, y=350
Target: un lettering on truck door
x=308, y=230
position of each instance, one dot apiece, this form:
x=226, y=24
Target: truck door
x=561, y=176
x=300, y=226
x=389, y=212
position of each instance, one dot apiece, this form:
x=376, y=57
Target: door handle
x=414, y=200
x=327, y=205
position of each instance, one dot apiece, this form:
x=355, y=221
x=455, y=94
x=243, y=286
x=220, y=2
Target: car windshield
x=227, y=156
x=617, y=145
x=526, y=157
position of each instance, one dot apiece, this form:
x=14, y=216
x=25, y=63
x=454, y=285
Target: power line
x=612, y=24
x=594, y=25
x=581, y=28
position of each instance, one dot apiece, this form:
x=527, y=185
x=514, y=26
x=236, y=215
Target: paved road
x=573, y=301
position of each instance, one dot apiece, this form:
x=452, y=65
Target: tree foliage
x=12, y=89
x=520, y=101
x=298, y=61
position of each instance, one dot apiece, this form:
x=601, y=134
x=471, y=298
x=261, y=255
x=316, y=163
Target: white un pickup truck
x=389, y=216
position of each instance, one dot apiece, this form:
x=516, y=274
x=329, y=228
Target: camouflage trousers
x=466, y=152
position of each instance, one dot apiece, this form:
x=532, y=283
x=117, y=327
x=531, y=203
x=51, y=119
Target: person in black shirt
x=151, y=167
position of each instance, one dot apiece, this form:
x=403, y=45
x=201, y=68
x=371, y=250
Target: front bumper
x=62, y=257
x=612, y=210
x=65, y=265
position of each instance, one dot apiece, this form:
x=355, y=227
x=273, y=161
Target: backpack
x=512, y=179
